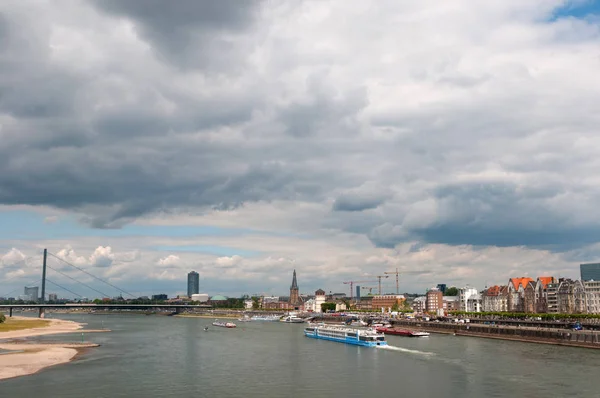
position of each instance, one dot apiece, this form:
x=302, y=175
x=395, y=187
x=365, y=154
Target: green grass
x=18, y=324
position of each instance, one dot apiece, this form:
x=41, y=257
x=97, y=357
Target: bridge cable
x=86, y=285
x=62, y=287
x=93, y=276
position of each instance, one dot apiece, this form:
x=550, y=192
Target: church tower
x=294, y=295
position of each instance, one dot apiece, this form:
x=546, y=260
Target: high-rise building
x=590, y=271
x=193, y=286
x=294, y=295
x=52, y=297
x=32, y=292
x=442, y=287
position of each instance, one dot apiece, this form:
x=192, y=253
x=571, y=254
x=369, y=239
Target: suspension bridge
x=43, y=305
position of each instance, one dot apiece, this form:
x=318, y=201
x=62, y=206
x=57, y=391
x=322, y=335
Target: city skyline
x=408, y=135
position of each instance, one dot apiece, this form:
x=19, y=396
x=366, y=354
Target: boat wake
x=393, y=348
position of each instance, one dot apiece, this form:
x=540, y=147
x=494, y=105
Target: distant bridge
x=177, y=308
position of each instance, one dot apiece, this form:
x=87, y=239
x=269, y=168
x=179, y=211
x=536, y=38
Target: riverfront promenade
x=532, y=334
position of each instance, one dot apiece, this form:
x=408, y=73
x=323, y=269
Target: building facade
x=387, y=301
x=590, y=272
x=541, y=293
x=529, y=299
x=451, y=303
x=32, y=292
x=419, y=304
x=193, y=283
x=435, y=300
x=571, y=297
x=516, y=293
x=592, y=293
x=495, y=299
x=463, y=297
x=552, y=297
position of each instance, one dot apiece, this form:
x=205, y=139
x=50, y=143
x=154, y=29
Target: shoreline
x=522, y=339
x=31, y=357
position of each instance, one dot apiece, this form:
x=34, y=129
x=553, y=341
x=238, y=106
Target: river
x=157, y=356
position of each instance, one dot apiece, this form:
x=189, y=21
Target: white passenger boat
x=265, y=318
x=362, y=337
x=224, y=324
x=292, y=319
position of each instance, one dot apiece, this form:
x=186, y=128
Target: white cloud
x=433, y=130
x=228, y=262
x=68, y=254
x=171, y=261
x=102, y=257
x=14, y=257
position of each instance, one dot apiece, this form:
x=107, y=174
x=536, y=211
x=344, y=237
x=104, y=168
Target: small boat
x=401, y=332
x=206, y=328
x=292, y=319
x=359, y=323
x=265, y=318
x=361, y=337
x=245, y=318
x=224, y=324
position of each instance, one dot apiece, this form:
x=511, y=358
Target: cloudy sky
x=457, y=141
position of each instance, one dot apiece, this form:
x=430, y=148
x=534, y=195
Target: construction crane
x=351, y=283
x=379, y=279
x=397, y=273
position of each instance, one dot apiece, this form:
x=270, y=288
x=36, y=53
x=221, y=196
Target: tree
x=451, y=291
x=395, y=307
x=255, y=303
x=2, y=318
x=327, y=307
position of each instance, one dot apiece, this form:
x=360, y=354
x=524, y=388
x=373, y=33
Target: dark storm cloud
x=356, y=203
x=117, y=109
x=190, y=32
x=135, y=146
x=495, y=213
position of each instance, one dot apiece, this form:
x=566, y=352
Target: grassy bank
x=12, y=324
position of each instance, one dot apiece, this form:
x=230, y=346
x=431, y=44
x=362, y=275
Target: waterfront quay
x=539, y=333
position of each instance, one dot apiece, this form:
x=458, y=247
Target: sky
x=456, y=141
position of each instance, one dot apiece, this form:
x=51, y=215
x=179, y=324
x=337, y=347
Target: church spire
x=294, y=282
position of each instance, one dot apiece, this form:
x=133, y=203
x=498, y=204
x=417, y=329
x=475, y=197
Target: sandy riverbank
x=30, y=358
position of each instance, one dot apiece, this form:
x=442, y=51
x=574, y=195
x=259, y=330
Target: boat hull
x=401, y=332
x=346, y=340
x=227, y=325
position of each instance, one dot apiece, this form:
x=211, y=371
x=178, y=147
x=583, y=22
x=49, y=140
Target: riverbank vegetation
x=11, y=324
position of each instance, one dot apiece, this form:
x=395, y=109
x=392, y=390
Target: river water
x=157, y=356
